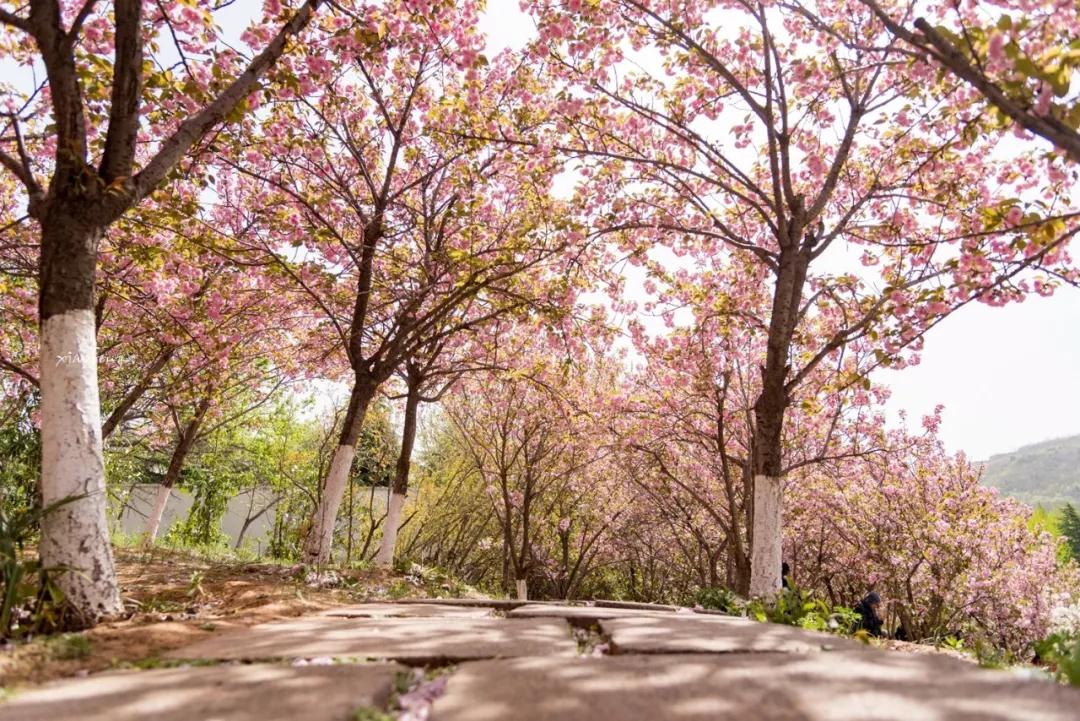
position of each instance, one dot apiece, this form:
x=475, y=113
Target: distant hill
x=1046, y=473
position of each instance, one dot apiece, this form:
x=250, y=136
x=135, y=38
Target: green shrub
x=797, y=607
x=30, y=601
x=370, y=714
x=1062, y=652
x=720, y=599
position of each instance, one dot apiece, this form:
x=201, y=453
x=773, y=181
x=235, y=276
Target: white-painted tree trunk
x=75, y=536
x=522, y=589
x=320, y=538
x=768, y=553
x=385, y=556
x=153, y=521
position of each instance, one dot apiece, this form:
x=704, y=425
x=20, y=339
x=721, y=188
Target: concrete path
x=544, y=662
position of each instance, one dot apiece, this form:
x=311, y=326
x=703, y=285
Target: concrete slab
x=634, y=604
x=408, y=610
x=693, y=633
x=413, y=639
x=868, y=686
x=583, y=613
x=502, y=603
x=220, y=693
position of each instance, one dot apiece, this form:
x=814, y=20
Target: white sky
x=1006, y=376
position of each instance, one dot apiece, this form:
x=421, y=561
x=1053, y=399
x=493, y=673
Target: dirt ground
x=174, y=598
x=905, y=647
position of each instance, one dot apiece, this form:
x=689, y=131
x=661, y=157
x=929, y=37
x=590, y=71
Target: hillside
x=1046, y=473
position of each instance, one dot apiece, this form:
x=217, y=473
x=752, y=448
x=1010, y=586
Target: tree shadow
x=417, y=640
x=841, y=686
x=221, y=693
x=715, y=634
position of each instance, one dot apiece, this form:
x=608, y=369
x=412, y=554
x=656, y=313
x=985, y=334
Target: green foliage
x=195, y=585
x=403, y=681
x=370, y=714
x=202, y=526
x=1049, y=521
x=953, y=643
x=376, y=450
x=1069, y=526
x=720, y=599
x=791, y=607
x=990, y=655
x=798, y=607
x=20, y=456
x=289, y=454
x=399, y=589
x=30, y=601
x=279, y=450
x=1062, y=652
x=70, y=646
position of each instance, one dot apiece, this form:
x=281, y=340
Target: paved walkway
x=490, y=661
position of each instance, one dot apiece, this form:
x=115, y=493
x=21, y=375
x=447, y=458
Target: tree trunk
x=738, y=564
x=153, y=521
x=176, y=466
x=74, y=535
x=79, y=204
x=320, y=538
x=252, y=518
x=765, y=581
x=766, y=554
x=349, y=535
x=385, y=556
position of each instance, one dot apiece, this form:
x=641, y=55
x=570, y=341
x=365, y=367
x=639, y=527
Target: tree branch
x=123, y=129
x=196, y=127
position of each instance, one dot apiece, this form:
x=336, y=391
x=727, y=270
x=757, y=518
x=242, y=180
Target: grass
x=70, y=646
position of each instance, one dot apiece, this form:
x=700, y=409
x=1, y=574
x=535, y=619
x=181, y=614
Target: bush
x=799, y=607
x=1061, y=651
x=31, y=600
x=720, y=599
x=952, y=556
x=70, y=647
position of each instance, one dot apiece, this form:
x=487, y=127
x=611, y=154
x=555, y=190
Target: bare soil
x=174, y=598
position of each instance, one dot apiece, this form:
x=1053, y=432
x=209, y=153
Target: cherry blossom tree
x=1018, y=58
x=949, y=556
x=243, y=370
x=409, y=235
x=686, y=421
x=783, y=149
x=83, y=129
x=131, y=325
x=427, y=377
x=536, y=450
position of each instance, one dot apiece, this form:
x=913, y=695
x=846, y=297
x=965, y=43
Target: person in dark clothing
x=869, y=618
x=785, y=572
